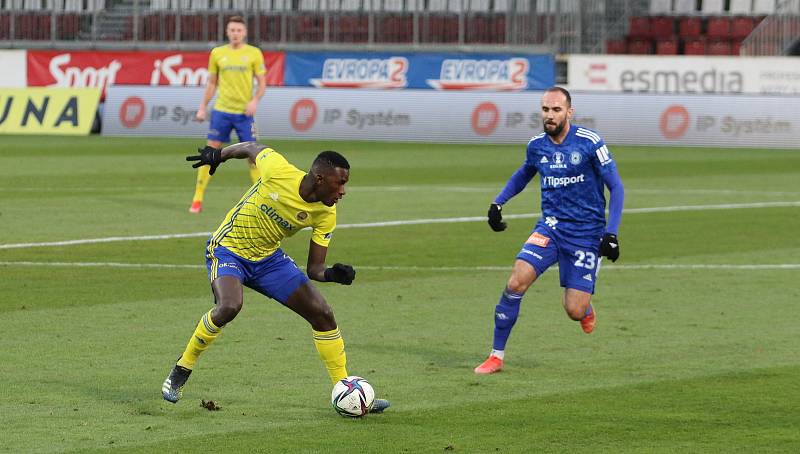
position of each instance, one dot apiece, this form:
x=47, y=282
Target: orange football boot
x=491, y=365
x=588, y=322
x=197, y=206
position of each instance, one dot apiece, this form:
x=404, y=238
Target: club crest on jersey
x=302, y=216
x=538, y=239
x=575, y=158
x=558, y=161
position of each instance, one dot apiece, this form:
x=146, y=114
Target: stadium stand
x=665, y=27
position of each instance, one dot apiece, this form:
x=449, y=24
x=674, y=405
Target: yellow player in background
x=231, y=68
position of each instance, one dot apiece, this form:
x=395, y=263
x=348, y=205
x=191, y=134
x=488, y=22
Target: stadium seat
x=741, y=27
x=616, y=46
x=690, y=27
x=719, y=48
x=763, y=6
x=718, y=28
x=68, y=26
x=695, y=46
x=736, y=47
x=393, y=28
x=639, y=27
x=5, y=26
x=685, y=7
x=662, y=27
x=667, y=46
x=743, y=7
x=712, y=7
x=269, y=28
x=660, y=7
x=640, y=46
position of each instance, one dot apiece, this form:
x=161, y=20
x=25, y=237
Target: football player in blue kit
x=574, y=164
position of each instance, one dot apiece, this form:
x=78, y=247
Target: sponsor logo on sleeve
x=538, y=239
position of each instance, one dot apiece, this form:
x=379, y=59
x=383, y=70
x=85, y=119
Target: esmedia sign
x=684, y=74
x=688, y=81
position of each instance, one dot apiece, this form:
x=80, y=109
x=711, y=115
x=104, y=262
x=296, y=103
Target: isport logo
x=363, y=73
x=469, y=74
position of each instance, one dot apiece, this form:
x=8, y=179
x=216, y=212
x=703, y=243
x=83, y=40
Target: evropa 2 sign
x=420, y=71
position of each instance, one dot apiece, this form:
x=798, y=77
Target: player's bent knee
x=226, y=311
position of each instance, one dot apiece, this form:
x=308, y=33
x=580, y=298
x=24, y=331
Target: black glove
x=341, y=273
x=609, y=247
x=496, y=218
x=208, y=156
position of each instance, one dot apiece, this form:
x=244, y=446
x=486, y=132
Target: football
x=352, y=396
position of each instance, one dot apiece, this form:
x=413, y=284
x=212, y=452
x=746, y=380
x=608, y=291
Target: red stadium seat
x=719, y=48
x=640, y=46
x=694, y=47
x=736, y=47
x=5, y=26
x=616, y=46
x=270, y=28
x=690, y=27
x=662, y=27
x=718, y=28
x=741, y=27
x=639, y=27
x=667, y=46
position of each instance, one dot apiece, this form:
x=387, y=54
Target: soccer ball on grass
x=352, y=396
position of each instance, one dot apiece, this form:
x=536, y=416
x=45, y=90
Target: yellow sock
x=254, y=173
x=203, y=178
x=205, y=333
x=330, y=346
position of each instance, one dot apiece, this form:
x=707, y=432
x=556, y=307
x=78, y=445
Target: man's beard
x=553, y=132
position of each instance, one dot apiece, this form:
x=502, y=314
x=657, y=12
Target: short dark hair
x=332, y=159
x=563, y=91
x=237, y=19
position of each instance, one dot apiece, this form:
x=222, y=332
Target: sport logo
x=469, y=74
x=538, y=239
x=363, y=73
x=176, y=74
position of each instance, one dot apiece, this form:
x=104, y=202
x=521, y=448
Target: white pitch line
x=643, y=266
x=666, y=209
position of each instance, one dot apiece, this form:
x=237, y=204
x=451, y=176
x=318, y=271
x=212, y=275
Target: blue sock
x=505, y=315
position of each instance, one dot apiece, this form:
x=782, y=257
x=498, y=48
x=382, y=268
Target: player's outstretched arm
x=609, y=245
x=316, y=270
x=213, y=157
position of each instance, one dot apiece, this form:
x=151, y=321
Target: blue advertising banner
x=420, y=71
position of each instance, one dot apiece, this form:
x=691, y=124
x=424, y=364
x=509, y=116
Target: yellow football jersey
x=235, y=69
x=272, y=210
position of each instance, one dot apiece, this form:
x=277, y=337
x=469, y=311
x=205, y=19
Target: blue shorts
x=578, y=257
x=276, y=276
x=222, y=123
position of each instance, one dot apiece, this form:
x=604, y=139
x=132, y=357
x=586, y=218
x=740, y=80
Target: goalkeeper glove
x=496, y=218
x=609, y=247
x=208, y=156
x=341, y=273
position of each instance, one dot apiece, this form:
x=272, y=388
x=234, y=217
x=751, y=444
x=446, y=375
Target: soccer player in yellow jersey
x=245, y=250
x=231, y=68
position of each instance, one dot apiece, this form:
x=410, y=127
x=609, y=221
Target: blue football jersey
x=572, y=179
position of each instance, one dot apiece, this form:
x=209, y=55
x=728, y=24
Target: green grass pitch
x=697, y=347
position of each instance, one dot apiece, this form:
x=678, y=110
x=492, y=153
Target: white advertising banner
x=684, y=74
x=15, y=69
x=468, y=117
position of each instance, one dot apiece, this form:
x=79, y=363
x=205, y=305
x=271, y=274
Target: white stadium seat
x=763, y=6
x=740, y=7
x=712, y=7
x=660, y=7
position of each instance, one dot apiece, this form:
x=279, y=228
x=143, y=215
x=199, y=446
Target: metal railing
x=776, y=34
x=566, y=26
